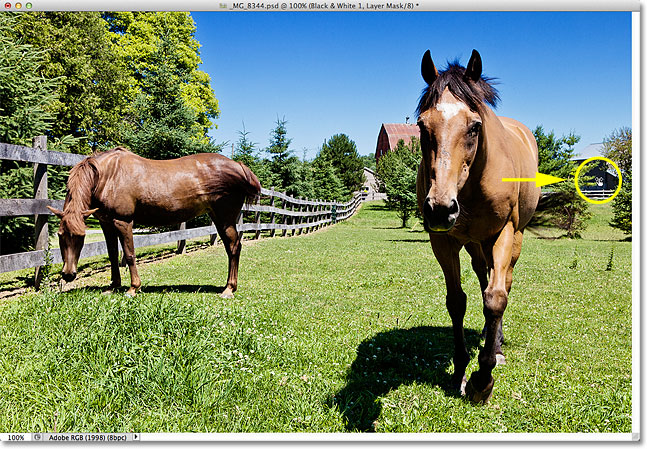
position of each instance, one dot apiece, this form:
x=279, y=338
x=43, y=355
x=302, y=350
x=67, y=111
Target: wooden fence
x=274, y=212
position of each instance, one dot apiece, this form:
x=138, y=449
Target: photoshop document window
x=319, y=221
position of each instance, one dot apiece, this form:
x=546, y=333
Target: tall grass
x=341, y=330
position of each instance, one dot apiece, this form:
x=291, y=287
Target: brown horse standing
x=121, y=188
x=466, y=151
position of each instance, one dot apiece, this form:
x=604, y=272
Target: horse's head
x=71, y=235
x=450, y=131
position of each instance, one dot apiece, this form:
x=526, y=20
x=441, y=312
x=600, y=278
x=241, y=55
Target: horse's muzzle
x=68, y=276
x=440, y=218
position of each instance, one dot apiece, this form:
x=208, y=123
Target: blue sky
x=338, y=72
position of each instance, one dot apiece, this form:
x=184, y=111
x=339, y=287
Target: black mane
x=473, y=94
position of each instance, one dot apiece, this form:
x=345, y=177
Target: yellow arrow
x=541, y=179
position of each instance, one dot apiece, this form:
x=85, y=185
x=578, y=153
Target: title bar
x=326, y=6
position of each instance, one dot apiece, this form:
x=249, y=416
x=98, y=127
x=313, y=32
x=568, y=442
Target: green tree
x=369, y=161
x=136, y=36
x=26, y=95
x=327, y=185
x=342, y=154
x=284, y=166
x=90, y=96
x=563, y=207
x=397, y=171
x=617, y=147
x=245, y=149
x=25, y=100
x=163, y=126
x=304, y=184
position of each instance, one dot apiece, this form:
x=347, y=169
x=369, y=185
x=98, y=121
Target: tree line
x=334, y=174
x=564, y=209
x=90, y=81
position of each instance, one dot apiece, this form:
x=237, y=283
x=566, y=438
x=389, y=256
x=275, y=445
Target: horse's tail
x=252, y=187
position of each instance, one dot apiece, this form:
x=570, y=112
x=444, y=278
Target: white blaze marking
x=449, y=110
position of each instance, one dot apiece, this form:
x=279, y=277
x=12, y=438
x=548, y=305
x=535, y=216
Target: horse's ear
x=88, y=212
x=57, y=212
x=474, y=67
x=429, y=72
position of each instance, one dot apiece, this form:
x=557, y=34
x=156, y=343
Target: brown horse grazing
x=121, y=188
x=466, y=151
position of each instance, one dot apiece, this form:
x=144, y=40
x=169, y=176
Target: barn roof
x=397, y=131
x=589, y=151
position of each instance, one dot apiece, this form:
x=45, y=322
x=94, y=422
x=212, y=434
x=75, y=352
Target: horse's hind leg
x=231, y=241
x=495, y=299
x=125, y=232
x=446, y=249
x=112, y=243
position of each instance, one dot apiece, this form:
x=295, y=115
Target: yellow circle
x=577, y=185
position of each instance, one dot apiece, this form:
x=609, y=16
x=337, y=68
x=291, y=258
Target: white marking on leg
x=449, y=110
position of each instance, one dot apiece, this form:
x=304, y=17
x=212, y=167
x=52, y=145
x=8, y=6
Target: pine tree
x=397, y=171
x=25, y=98
x=245, y=150
x=326, y=183
x=284, y=166
x=163, y=127
x=342, y=153
x=563, y=207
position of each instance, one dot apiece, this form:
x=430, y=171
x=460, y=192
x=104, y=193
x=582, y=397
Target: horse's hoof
x=477, y=396
x=131, y=293
x=227, y=293
x=500, y=359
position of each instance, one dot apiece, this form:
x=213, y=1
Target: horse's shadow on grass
x=185, y=288
x=162, y=289
x=393, y=358
x=424, y=240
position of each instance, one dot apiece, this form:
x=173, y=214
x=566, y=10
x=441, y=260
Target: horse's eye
x=474, y=129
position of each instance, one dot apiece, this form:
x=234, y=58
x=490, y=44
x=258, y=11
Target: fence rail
x=598, y=194
x=283, y=213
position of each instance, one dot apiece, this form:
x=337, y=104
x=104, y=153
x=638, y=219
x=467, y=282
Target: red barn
x=391, y=133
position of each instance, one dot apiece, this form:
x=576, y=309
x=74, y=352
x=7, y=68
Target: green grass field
x=341, y=330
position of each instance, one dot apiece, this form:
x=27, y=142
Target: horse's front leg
x=112, y=243
x=479, y=265
x=446, y=249
x=125, y=231
x=495, y=300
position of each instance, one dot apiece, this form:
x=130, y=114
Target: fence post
x=239, y=223
x=318, y=216
x=181, y=244
x=295, y=218
x=285, y=219
x=213, y=238
x=258, y=219
x=301, y=206
x=272, y=215
x=41, y=230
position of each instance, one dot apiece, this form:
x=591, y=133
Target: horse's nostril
x=69, y=276
x=453, y=207
x=427, y=210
